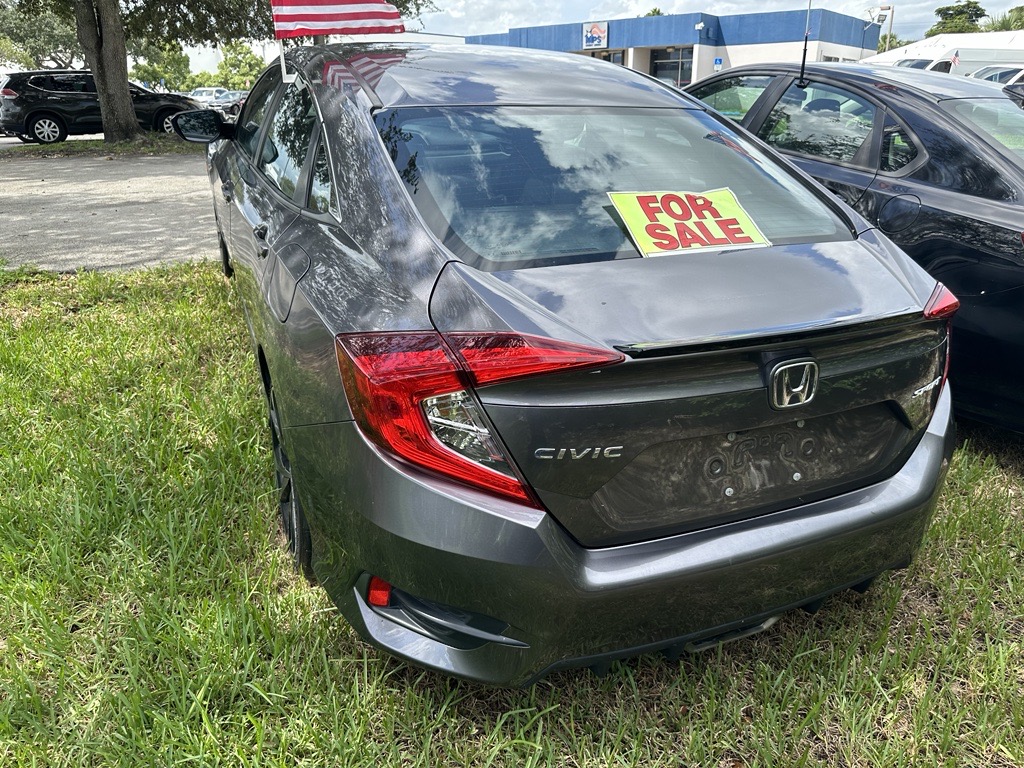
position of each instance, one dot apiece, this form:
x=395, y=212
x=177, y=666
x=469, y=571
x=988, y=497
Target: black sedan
x=937, y=164
x=559, y=366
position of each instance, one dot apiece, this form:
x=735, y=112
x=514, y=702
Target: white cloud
x=475, y=17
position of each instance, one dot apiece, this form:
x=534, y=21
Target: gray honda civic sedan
x=562, y=368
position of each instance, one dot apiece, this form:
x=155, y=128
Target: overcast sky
x=476, y=17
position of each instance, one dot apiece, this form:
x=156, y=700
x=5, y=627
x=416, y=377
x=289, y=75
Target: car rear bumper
x=565, y=605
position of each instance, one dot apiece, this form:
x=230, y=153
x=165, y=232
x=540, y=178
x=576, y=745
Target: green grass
x=149, y=617
x=144, y=144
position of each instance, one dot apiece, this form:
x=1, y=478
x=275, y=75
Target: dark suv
x=45, y=106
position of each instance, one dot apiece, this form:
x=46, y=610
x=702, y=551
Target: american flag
x=304, y=18
x=955, y=60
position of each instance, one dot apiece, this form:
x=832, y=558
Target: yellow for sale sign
x=663, y=223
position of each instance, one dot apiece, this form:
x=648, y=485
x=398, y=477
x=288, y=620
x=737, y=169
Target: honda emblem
x=792, y=383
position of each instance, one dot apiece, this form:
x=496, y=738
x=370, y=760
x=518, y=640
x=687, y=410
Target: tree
x=655, y=11
x=961, y=17
x=1011, y=20
x=893, y=42
x=39, y=40
x=166, y=64
x=239, y=67
x=101, y=33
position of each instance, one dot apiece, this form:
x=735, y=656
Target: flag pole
x=285, y=77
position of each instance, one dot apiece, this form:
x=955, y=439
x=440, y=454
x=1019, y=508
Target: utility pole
x=891, y=10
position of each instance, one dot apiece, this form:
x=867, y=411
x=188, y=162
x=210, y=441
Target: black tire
x=163, y=121
x=225, y=258
x=47, y=129
x=25, y=138
x=292, y=520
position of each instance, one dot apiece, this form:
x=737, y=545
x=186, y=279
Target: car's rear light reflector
x=378, y=593
x=496, y=357
x=8, y=93
x=942, y=303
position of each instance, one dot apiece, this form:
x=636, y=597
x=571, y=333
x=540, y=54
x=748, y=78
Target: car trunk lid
x=684, y=434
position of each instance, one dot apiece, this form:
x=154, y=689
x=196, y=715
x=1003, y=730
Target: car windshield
x=515, y=187
x=1000, y=120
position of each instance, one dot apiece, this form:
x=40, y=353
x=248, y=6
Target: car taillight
x=411, y=395
x=942, y=304
x=8, y=93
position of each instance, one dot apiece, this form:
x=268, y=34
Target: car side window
x=733, y=96
x=321, y=191
x=821, y=121
x=68, y=83
x=898, y=148
x=287, y=143
x=247, y=129
x=43, y=82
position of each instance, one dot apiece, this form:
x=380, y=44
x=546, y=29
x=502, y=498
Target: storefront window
x=672, y=65
x=615, y=57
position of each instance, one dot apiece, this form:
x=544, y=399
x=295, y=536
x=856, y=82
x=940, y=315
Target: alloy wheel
x=46, y=130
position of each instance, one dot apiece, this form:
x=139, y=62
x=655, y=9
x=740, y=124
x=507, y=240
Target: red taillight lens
x=379, y=592
x=494, y=357
x=411, y=396
x=10, y=94
x=942, y=303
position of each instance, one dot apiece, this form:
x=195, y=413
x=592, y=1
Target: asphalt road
x=74, y=213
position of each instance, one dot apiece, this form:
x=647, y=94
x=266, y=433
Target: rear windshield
x=515, y=187
x=1000, y=120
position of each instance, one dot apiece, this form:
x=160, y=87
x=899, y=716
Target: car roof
x=53, y=72
x=929, y=86
x=442, y=75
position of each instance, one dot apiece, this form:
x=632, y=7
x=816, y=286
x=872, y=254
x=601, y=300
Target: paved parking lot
x=96, y=213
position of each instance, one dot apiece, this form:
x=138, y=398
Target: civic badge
x=792, y=383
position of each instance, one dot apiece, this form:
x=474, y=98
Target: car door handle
x=227, y=190
x=260, y=233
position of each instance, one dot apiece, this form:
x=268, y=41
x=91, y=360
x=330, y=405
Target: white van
x=960, y=54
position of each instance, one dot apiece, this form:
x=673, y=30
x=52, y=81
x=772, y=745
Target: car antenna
x=802, y=83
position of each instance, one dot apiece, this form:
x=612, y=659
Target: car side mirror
x=1016, y=93
x=202, y=126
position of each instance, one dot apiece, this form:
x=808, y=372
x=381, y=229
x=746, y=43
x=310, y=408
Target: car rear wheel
x=293, y=521
x=47, y=129
x=163, y=121
x=25, y=138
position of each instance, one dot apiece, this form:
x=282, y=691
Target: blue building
x=685, y=47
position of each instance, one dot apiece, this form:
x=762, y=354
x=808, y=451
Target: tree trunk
x=101, y=33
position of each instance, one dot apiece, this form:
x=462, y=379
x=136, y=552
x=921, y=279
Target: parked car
x=559, y=366
x=1004, y=74
x=46, y=106
x=230, y=103
x=937, y=164
x=207, y=95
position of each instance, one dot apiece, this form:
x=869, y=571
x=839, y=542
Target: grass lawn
x=149, y=617
x=145, y=144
